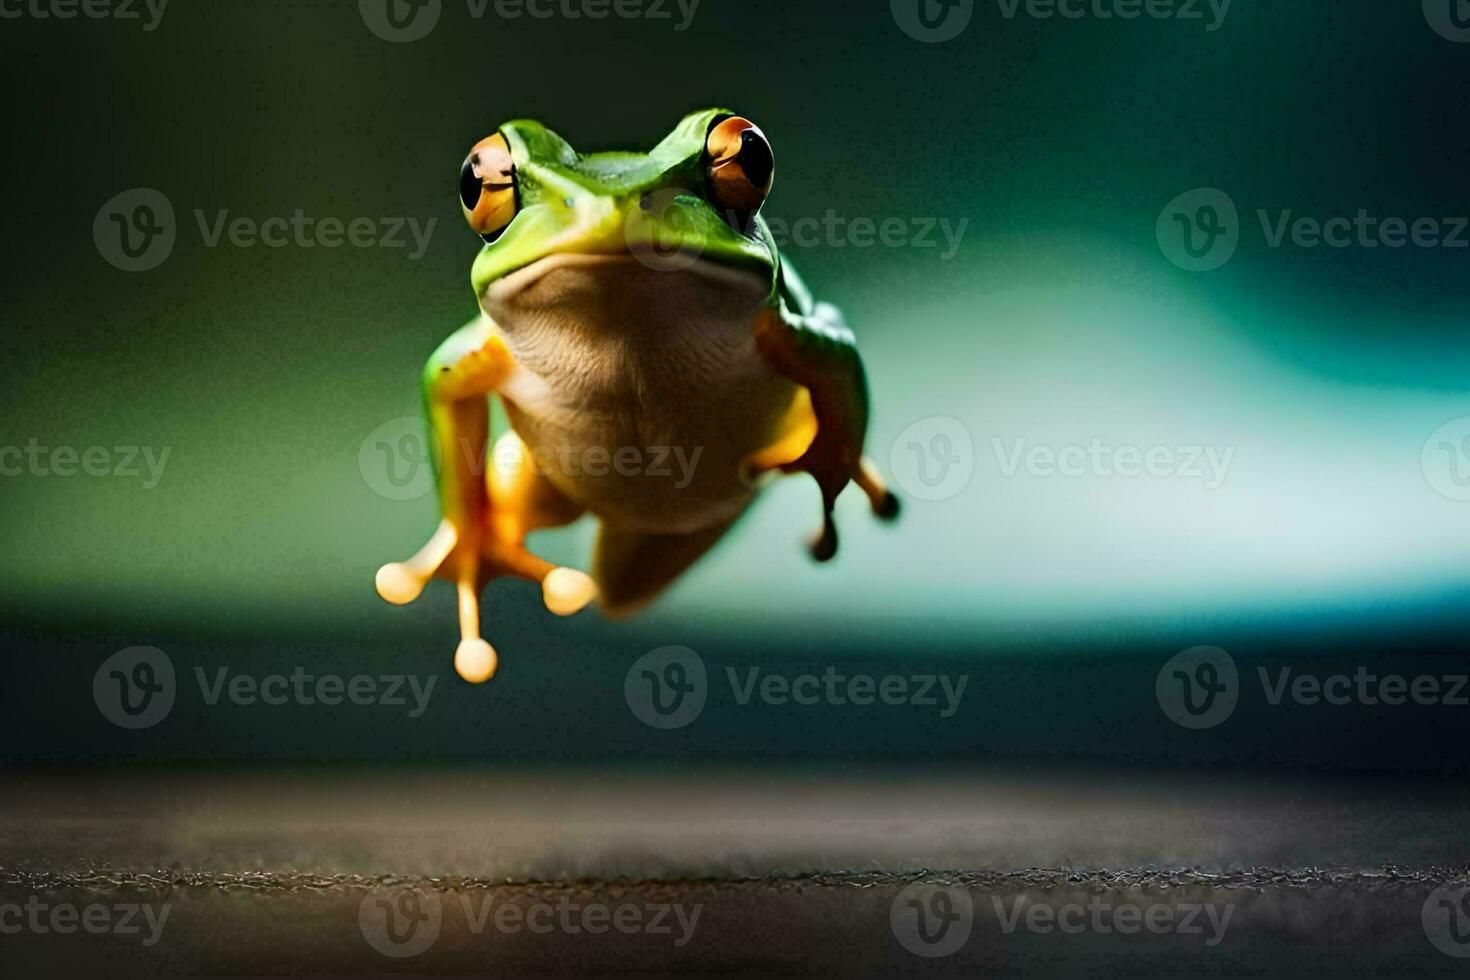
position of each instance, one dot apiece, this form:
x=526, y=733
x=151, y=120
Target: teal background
x=1059, y=319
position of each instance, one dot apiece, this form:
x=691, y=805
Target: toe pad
x=567, y=590
x=397, y=584
x=475, y=660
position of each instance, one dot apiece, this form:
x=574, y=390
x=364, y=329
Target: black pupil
x=469, y=185
x=755, y=158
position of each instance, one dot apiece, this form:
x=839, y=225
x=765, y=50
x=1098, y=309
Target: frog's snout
x=667, y=219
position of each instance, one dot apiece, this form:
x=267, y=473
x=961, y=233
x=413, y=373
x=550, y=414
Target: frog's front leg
x=487, y=511
x=824, y=435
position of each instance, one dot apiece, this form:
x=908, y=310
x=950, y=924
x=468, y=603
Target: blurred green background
x=1057, y=320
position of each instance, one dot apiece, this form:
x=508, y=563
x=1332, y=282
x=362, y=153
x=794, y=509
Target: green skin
x=571, y=203
x=600, y=204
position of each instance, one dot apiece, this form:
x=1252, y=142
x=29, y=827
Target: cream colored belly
x=640, y=393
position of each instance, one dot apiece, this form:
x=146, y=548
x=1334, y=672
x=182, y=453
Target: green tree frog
x=632, y=307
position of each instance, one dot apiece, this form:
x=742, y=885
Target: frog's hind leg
x=790, y=454
x=521, y=500
x=401, y=582
x=632, y=568
x=884, y=502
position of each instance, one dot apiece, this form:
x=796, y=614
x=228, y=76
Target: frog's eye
x=741, y=167
x=487, y=187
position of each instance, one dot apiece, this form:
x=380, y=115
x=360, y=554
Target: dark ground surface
x=785, y=871
x=1054, y=811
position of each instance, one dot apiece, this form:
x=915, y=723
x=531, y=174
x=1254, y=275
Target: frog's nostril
x=646, y=202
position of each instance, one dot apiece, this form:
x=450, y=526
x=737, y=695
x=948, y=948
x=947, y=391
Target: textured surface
x=796, y=872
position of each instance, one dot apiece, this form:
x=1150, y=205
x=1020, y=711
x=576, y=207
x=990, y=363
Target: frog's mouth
x=627, y=294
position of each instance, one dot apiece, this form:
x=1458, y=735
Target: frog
x=630, y=306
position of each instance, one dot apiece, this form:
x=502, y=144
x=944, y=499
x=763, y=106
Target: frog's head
x=690, y=205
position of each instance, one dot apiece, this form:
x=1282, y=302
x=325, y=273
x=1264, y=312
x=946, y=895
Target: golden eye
x=741, y=167
x=487, y=187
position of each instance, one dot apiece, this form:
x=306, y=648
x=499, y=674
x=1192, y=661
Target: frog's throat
x=669, y=263
x=624, y=299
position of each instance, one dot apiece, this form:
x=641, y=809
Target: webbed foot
x=471, y=562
